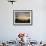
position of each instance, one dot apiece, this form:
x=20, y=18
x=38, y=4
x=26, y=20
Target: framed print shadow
x=22, y=17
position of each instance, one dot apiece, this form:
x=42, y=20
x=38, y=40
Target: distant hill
x=22, y=21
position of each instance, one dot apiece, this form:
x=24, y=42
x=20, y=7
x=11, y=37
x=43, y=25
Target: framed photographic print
x=22, y=17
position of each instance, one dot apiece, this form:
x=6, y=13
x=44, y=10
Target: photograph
x=22, y=17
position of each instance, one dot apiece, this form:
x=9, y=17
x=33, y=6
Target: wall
x=37, y=31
